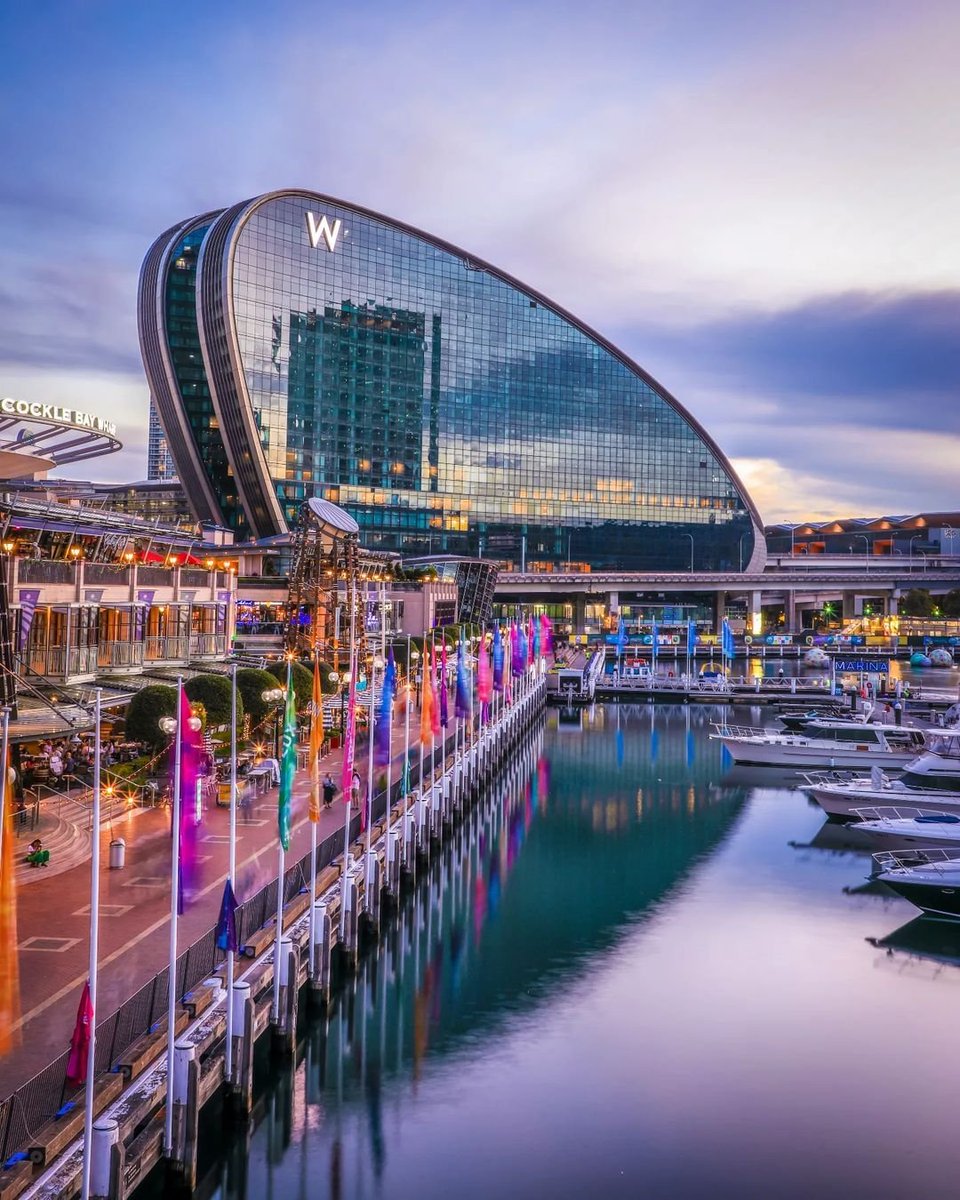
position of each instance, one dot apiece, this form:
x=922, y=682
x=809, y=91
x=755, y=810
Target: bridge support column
x=579, y=613
x=852, y=606
x=755, y=613
x=613, y=603
x=719, y=612
x=893, y=603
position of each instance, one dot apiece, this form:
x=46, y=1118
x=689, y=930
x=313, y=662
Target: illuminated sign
x=321, y=228
x=57, y=414
x=862, y=666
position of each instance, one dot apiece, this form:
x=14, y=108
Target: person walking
x=329, y=790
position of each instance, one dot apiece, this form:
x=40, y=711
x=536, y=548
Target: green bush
x=144, y=713
x=302, y=681
x=213, y=692
x=252, y=682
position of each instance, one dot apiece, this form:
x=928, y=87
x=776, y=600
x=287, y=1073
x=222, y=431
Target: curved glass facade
x=448, y=408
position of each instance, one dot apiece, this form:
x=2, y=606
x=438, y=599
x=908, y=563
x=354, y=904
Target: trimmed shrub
x=252, y=682
x=213, y=692
x=144, y=713
x=302, y=681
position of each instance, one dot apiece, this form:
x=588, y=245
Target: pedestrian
x=329, y=790
x=355, y=790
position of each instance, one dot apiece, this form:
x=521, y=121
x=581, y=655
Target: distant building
x=928, y=533
x=159, y=460
x=298, y=347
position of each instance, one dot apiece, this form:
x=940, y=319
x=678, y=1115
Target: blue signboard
x=864, y=666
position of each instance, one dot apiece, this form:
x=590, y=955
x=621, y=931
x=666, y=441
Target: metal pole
x=383, y=655
x=315, y=783
x=94, y=948
x=4, y=741
x=405, y=778
x=232, y=865
x=174, y=904
x=281, y=869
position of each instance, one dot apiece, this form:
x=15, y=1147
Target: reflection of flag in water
x=497, y=659
x=80, y=1041
x=385, y=720
x=691, y=752
x=227, y=921
x=316, y=741
x=444, y=698
x=375, y=1117
x=9, y=963
x=288, y=763
x=336, y=1170
x=654, y=745
x=619, y=747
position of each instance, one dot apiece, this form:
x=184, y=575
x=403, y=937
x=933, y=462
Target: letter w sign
x=317, y=229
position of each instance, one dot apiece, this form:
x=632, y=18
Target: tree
x=302, y=681
x=951, y=603
x=213, y=692
x=917, y=602
x=144, y=713
x=252, y=682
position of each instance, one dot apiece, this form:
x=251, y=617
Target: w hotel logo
x=318, y=228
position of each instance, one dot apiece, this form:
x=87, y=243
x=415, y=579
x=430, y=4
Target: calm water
x=641, y=979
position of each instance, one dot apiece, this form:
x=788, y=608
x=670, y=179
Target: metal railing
x=207, y=644
x=176, y=648
x=120, y=654
x=33, y=570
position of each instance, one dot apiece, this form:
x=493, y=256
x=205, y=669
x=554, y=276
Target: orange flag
x=428, y=704
x=316, y=742
x=9, y=963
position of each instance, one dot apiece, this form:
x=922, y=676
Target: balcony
x=168, y=649
x=208, y=645
x=119, y=656
x=66, y=663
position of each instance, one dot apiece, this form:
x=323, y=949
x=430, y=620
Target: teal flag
x=288, y=763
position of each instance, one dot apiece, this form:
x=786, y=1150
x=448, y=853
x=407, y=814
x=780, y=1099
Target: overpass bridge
x=796, y=585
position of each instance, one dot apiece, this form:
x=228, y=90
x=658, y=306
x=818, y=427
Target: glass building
x=297, y=346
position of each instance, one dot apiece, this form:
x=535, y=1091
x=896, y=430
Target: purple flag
x=497, y=659
x=444, y=699
x=381, y=749
x=28, y=606
x=462, y=700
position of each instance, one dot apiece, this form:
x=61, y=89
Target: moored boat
x=824, y=744
x=928, y=878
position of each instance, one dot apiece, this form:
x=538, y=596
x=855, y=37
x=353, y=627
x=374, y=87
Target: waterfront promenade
x=53, y=911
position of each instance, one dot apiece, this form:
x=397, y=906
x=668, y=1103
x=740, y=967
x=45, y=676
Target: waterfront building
x=297, y=346
x=159, y=460
x=924, y=535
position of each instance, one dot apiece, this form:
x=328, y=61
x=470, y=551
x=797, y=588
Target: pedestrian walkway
x=53, y=914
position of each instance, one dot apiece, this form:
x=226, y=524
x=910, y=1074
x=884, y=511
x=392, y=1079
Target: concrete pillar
x=240, y=1089
x=319, y=966
x=186, y=1113
x=852, y=606
x=579, y=614
x=720, y=608
x=893, y=603
x=105, y=1159
x=613, y=603
x=755, y=613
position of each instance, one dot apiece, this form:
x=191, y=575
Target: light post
x=415, y=659
x=273, y=698
x=690, y=536
x=334, y=678
x=947, y=535
x=866, y=552
x=742, y=536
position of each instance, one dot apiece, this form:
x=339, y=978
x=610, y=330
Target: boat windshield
x=945, y=742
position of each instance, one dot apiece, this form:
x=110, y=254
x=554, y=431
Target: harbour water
x=629, y=975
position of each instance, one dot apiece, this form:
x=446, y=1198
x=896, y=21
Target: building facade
x=297, y=346
x=159, y=460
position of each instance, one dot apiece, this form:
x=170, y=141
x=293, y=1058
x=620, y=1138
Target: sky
x=756, y=201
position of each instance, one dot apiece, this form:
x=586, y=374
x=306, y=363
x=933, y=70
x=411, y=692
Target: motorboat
x=929, y=782
x=825, y=743
x=928, y=878
x=898, y=829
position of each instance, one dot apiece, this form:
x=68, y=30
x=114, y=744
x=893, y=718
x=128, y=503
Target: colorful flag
x=190, y=746
x=621, y=636
x=531, y=635
x=484, y=679
x=462, y=702
x=655, y=641
x=517, y=657
x=435, y=711
x=349, y=736
x=227, y=921
x=497, y=659
x=444, y=698
x=29, y=598
x=691, y=636
x=80, y=1041
x=385, y=720
x=316, y=742
x=427, y=703
x=546, y=633
x=288, y=762
x=9, y=962
x=535, y=639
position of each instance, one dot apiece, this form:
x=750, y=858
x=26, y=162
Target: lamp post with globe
x=273, y=698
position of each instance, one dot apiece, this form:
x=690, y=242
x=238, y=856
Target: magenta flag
x=349, y=737
x=80, y=1041
x=444, y=698
x=435, y=713
x=484, y=676
x=190, y=745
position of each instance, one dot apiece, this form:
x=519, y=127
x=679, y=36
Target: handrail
x=936, y=858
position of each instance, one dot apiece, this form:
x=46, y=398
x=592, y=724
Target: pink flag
x=484, y=677
x=435, y=714
x=349, y=738
x=80, y=1042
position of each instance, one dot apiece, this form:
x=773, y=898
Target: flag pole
x=4, y=781
x=174, y=905
x=314, y=805
x=94, y=947
x=383, y=655
x=232, y=866
x=351, y=732
x=405, y=784
x=281, y=862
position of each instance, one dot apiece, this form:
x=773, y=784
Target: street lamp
x=866, y=542
x=690, y=536
x=273, y=698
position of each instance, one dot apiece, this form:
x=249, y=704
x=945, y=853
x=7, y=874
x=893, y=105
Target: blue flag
x=621, y=636
x=384, y=730
x=227, y=921
x=462, y=699
x=497, y=659
x=655, y=640
x=691, y=636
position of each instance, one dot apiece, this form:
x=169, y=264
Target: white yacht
x=929, y=783
x=897, y=828
x=929, y=878
x=823, y=744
